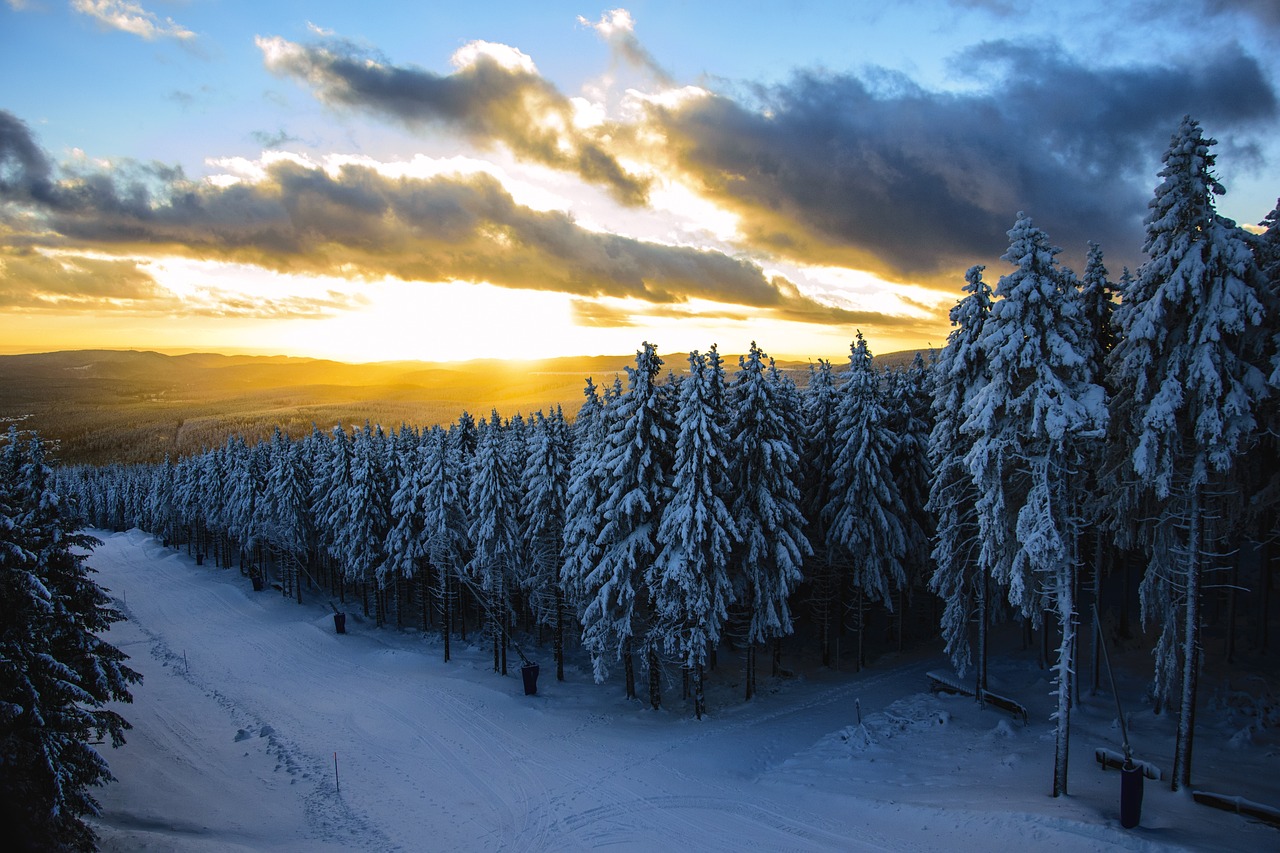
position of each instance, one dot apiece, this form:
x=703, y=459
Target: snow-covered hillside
x=249, y=696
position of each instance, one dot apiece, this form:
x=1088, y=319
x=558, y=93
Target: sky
x=384, y=181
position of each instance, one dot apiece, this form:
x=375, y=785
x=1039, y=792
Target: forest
x=1081, y=444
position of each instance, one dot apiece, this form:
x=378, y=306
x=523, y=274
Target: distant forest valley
x=100, y=407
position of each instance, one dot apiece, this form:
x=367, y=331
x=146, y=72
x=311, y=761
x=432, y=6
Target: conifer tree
x=959, y=577
x=765, y=474
x=634, y=467
x=544, y=476
x=820, y=404
x=445, y=523
x=1031, y=423
x=1186, y=403
x=494, y=533
x=689, y=577
x=865, y=514
x=56, y=672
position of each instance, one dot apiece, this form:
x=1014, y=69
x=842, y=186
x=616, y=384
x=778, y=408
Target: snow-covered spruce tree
x=1185, y=403
x=56, y=672
x=407, y=539
x=494, y=532
x=911, y=420
x=330, y=491
x=765, y=472
x=689, y=578
x=286, y=507
x=818, y=441
x=634, y=468
x=584, y=498
x=444, y=490
x=543, y=479
x=1031, y=424
x=362, y=539
x=959, y=578
x=865, y=514
x=1097, y=300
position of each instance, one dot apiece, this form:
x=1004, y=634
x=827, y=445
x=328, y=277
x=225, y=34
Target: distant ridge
x=104, y=406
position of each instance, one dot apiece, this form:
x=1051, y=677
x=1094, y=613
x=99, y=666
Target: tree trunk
x=655, y=679
x=983, y=622
x=559, y=636
x=777, y=657
x=629, y=669
x=862, y=613
x=751, y=670
x=1066, y=666
x=1190, y=649
x=1096, y=669
x=446, y=612
x=699, y=698
x=1231, y=609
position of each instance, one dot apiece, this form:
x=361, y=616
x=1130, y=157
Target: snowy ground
x=248, y=696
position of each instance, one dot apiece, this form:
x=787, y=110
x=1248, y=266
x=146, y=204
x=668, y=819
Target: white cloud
x=503, y=54
x=319, y=30
x=131, y=18
x=614, y=21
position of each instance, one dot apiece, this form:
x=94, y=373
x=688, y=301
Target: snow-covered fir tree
x=911, y=420
x=1030, y=424
x=865, y=516
x=1186, y=402
x=362, y=539
x=57, y=673
x=443, y=496
x=959, y=578
x=493, y=502
x=634, y=468
x=689, y=579
x=818, y=443
x=765, y=473
x=286, y=507
x=543, y=480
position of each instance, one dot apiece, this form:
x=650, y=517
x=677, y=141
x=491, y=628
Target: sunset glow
x=414, y=183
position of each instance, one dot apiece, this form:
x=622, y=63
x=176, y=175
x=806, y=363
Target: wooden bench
x=942, y=683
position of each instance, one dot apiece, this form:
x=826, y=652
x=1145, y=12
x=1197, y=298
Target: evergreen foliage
x=56, y=672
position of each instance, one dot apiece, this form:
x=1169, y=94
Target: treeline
x=1063, y=436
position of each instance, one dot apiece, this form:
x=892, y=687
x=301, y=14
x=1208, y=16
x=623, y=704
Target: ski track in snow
x=450, y=756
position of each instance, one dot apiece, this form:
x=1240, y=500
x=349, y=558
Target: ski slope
x=248, y=697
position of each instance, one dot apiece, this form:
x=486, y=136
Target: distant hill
x=103, y=406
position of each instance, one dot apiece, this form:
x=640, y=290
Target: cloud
x=355, y=222
x=618, y=28
x=1266, y=12
x=34, y=280
x=494, y=96
x=25, y=172
x=875, y=172
x=131, y=18
x=273, y=140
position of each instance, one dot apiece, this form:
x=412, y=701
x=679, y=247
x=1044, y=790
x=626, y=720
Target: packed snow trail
x=248, y=696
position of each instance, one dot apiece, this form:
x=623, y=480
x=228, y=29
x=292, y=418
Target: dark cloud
x=487, y=100
x=1266, y=12
x=875, y=172
x=273, y=140
x=25, y=172
x=31, y=280
x=361, y=224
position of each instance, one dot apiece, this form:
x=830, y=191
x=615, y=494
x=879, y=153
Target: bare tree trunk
x=699, y=698
x=1190, y=649
x=983, y=622
x=559, y=635
x=1066, y=664
x=751, y=670
x=629, y=669
x=655, y=679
